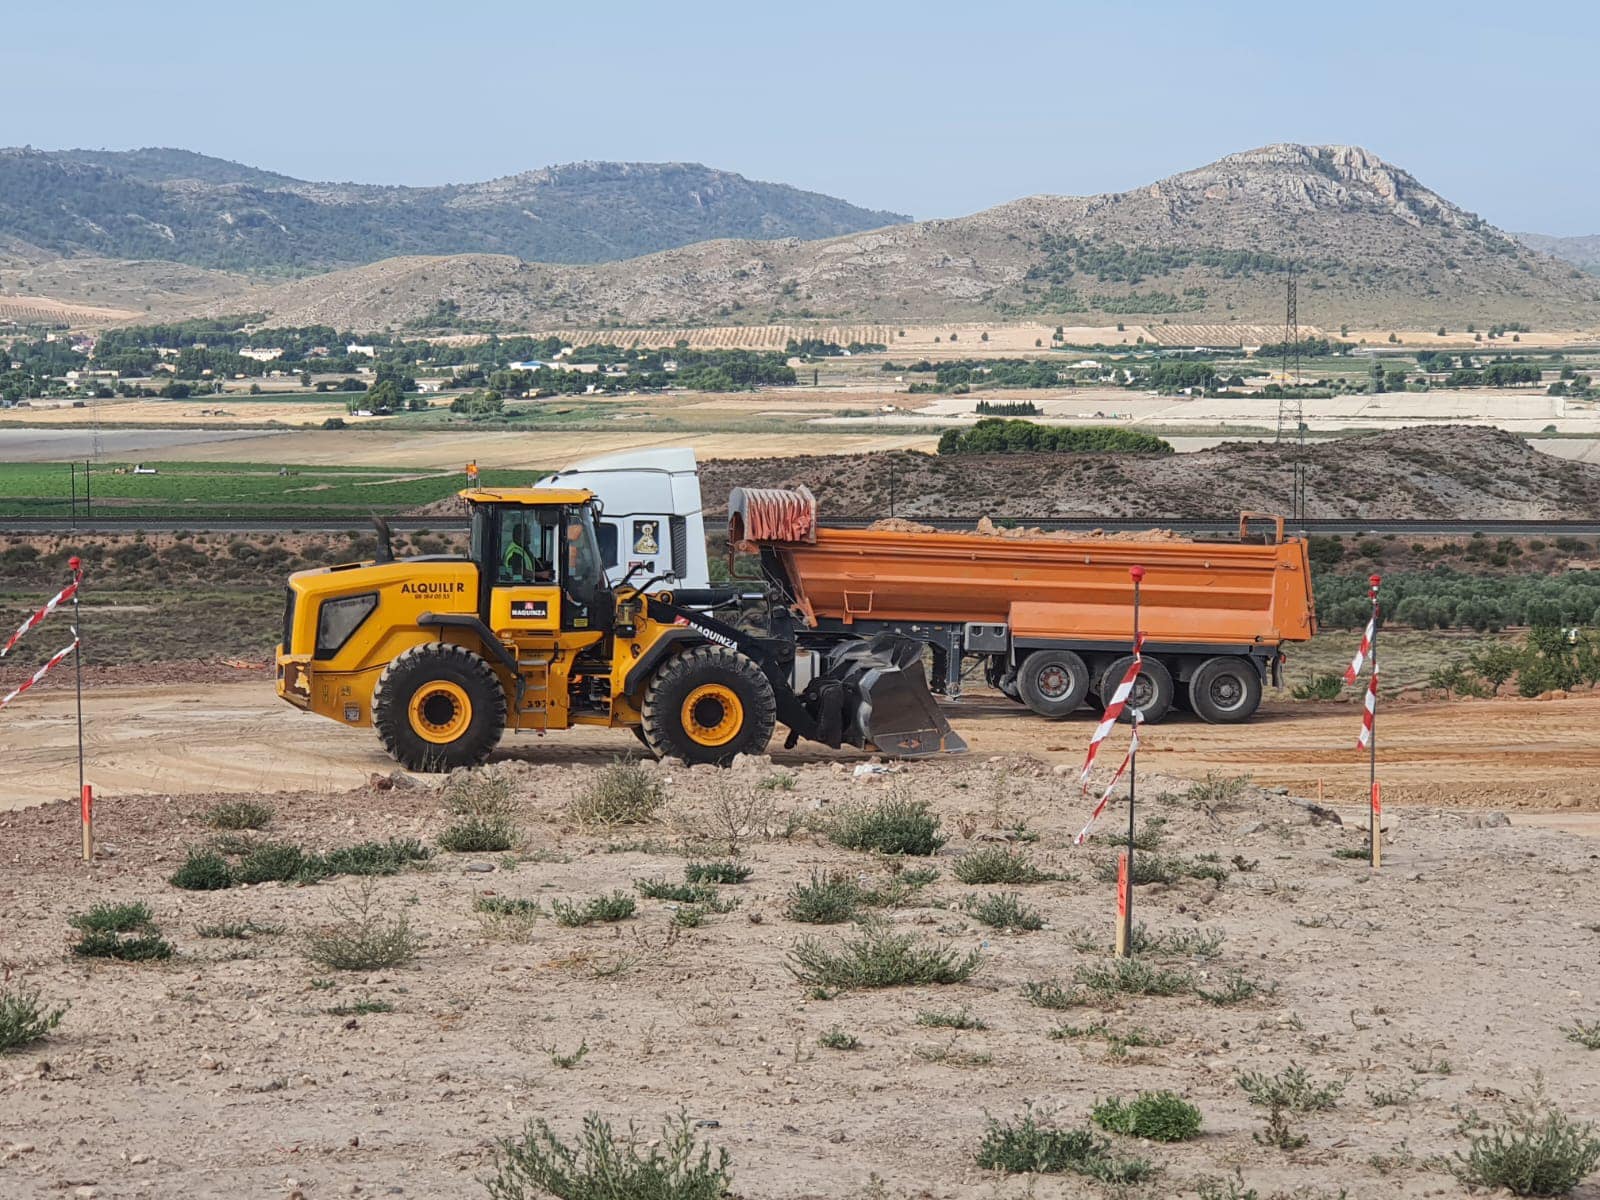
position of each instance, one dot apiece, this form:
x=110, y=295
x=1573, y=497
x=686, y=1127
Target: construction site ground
x=236, y=736
x=1434, y=990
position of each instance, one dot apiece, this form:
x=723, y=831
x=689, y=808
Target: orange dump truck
x=1050, y=616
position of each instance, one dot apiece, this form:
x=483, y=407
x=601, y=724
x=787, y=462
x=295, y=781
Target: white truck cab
x=650, y=514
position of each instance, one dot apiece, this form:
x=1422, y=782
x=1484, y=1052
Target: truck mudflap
x=886, y=705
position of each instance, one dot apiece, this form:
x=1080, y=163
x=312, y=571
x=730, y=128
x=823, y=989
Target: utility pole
x=1291, y=405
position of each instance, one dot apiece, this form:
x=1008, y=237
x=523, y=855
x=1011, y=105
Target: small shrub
x=114, y=918
x=270, y=861
x=838, y=1039
x=1291, y=1089
x=203, y=871
x=944, y=1019
x=618, y=906
x=506, y=906
x=1178, y=943
x=143, y=947
x=1003, y=910
x=363, y=1007
x=1538, y=1152
x=827, y=899
x=566, y=1062
x=1157, y=1116
x=1324, y=686
x=1396, y=1097
x=1025, y=1147
x=365, y=858
x=682, y=893
x=1236, y=988
x=1217, y=789
x=1134, y=977
x=484, y=812
x=998, y=864
x=239, y=814
x=624, y=793
x=716, y=872
x=1584, y=1034
x=891, y=825
x=237, y=930
x=603, y=1166
x=506, y=918
x=1052, y=995
x=24, y=1017
x=1352, y=852
x=880, y=958
x=361, y=938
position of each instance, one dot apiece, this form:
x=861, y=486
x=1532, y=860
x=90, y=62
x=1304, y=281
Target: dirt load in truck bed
x=1443, y=472
x=987, y=528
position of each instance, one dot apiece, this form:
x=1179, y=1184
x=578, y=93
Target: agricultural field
x=209, y=491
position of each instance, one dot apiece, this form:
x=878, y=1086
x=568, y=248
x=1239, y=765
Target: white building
x=262, y=354
x=354, y=349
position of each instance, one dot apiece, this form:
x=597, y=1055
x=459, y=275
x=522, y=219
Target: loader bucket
x=894, y=712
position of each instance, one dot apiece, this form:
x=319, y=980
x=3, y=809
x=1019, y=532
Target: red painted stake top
x=1137, y=573
x=74, y=564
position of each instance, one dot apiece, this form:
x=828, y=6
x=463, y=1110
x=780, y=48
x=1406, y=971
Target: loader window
x=527, y=547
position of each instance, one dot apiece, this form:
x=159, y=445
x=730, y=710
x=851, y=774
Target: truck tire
x=439, y=706
x=1152, y=690
x=708, y=705
x=1053, y=682
x=1225, y=690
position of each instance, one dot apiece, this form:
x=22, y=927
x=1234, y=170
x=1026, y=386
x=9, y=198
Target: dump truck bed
x=1236, y=593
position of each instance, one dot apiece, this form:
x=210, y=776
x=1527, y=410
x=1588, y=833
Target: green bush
x=270, y=861
x=361, y=937
x=24, y=1017
x=618, y=906
x=624, y=793
x=603, y=1166
x=1325, y=686
x=1024, y=1146
x=239, y=814
x=1157, y=1116
x=203, y=871
x=716, y=872
x=114, y=918
x=102, y=943
x=891, y=825
x=1535, y=1154
x=485, y=813
x=880, y=958
x=827, y=899
x=998, y=864
x=681, y=893
x=996, y=435
x=1004, y=910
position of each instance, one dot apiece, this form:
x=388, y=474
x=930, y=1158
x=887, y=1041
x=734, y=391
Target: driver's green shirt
x=516, y=562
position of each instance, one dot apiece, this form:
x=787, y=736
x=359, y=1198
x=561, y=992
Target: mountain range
x=209, y=212
x=630, y=244
x=1583, y=251
x=1372, y=246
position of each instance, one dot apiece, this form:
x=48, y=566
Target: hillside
x=1442, y=472
x=1580, y=251
x=208, y=212
x=1375, y=246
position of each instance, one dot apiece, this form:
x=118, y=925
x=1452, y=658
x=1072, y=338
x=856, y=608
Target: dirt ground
x=165, y=738
x=1433, y=989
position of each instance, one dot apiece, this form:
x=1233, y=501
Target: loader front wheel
x=707, y=705
x=437, y=707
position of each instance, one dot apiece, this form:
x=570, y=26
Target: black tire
x=1152, y=691
x=638, y=732
x=708, y=705
x=1225, y=690
x=459, y=711
x=1053, y=682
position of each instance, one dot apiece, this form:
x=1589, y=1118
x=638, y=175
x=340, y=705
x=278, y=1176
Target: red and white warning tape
x=1362, y=652
x=42, y=671
x=1114, y=707
x=1105, y=796
x=65, y=594
x=1368, y=712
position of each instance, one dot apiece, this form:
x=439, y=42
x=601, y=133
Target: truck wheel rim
x=712, y=714
x=440, y=711
x=1054, y=682
x=1226, y=692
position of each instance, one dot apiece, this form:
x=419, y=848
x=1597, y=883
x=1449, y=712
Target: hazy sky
x=929, y=108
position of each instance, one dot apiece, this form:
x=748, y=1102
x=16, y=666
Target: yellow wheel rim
x=440, y=712
x=712, y=715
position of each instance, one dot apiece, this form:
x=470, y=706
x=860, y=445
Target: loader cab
x=539, y=564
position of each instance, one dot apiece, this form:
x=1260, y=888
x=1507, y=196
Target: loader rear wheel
x=1225, y=690
x=1152, y=690
x=1053, y=682
x=439, y=706
x=707, y=705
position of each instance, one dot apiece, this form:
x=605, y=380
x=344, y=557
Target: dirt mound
x=1441, y=472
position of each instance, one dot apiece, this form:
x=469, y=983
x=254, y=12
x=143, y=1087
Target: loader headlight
x=338, y=619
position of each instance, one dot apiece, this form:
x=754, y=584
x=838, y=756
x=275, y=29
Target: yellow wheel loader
x=441, y=654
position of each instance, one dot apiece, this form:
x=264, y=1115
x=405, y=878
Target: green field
x=242, y=490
